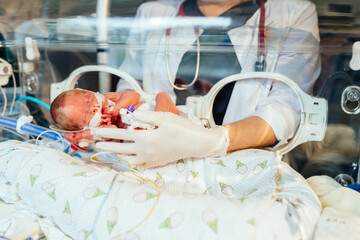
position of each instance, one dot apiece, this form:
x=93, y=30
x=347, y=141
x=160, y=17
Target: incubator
x=53, y=46
x=293, y=63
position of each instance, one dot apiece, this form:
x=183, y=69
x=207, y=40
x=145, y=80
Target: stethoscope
x=260, y=64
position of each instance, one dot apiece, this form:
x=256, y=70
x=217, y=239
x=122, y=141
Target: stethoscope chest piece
x=260, y=66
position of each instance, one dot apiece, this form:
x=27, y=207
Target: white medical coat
x=292, y=40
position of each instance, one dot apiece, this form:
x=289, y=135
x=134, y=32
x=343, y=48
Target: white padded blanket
x=248, y=194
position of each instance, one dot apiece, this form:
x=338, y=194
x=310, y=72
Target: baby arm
x=125, y=98
x=122, y=100
x=165, y=104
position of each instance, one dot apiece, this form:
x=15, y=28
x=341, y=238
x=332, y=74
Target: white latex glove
x=175, y=138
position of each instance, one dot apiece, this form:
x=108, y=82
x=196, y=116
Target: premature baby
x=80, y=109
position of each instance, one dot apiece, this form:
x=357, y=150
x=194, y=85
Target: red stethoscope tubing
x=262, y=30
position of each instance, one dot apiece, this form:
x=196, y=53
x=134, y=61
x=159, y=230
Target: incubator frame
x=313, y=117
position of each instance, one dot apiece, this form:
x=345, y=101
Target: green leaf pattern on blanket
x=242, y=199
x=35, y=173
x=121, y=179
x=217, y=162
x=210, y=218
x=260, y=167
x=84, y=234
x=247, y=193
x=49, y=189
x=221, y=163
x=143, y=196
x=251, y=221
x=111, y=218
x=192, y=176
x=68, y=161
x=173, y=221
x=226, y=189
x=85, y=174
x=241, y=167
x=92, y=192
x=67, y=214
x=159, y=180
x=180, y=165
x=139, y=168
x=207, y=191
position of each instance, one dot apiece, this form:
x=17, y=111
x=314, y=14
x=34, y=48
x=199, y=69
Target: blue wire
x=34, y=100
x=2, y=237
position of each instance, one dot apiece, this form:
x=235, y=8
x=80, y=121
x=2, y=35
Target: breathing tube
x=31, y=129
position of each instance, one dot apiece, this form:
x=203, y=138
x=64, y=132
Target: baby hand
x=76, y=137
x=106, y=119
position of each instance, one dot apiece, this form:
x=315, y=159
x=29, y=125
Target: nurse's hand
x=175, y=138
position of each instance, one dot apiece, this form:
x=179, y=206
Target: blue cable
x=355, y=186
x=34, y=100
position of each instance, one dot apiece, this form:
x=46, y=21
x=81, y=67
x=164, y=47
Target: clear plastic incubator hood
x=48, y=47
x=295, y=64
x=52, y=46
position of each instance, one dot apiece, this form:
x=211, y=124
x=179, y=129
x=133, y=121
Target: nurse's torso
x=217, y=57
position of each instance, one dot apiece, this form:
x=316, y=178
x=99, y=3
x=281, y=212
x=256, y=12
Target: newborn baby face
x=81, y=107
x=76, y=109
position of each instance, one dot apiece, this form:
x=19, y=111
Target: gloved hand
x=175, y=138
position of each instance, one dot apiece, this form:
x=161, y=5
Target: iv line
x=151, y=210
x=146, y=179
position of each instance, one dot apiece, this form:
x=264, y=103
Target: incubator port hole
x=352, y=106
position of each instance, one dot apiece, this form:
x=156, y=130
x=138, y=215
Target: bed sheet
x=340, y=217
x=19, y=223
x=335, y=224
x=249, y=194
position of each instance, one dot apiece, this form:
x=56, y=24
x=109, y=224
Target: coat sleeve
x=299, y=60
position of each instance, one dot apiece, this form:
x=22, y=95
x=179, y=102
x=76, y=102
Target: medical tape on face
x=110, y=105
x=96, y=119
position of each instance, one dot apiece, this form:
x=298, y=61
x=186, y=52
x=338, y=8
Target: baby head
x=74, y=109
